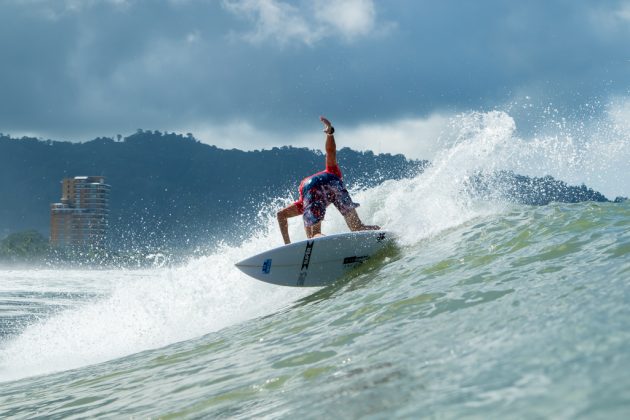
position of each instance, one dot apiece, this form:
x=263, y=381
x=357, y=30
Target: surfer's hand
x=328, y=128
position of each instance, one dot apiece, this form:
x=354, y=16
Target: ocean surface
x=485, y=309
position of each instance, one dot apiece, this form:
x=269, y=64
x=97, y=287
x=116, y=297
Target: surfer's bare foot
x=328, y=128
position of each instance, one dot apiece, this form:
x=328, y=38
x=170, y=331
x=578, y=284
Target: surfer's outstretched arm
x=283, y=215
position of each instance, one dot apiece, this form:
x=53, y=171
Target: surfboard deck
x=318, y=261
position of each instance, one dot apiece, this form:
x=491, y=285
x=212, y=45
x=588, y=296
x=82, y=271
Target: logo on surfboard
x=266, y=268
x=306, y=260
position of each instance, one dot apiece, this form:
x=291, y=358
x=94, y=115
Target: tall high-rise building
x=81, y=218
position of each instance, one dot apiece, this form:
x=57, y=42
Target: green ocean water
x=486, y=308
x=523, y=312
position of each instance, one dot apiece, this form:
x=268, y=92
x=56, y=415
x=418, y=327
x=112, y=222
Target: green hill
x=168, y=189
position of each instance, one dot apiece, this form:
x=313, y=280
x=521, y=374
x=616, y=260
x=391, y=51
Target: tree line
x=170, y=189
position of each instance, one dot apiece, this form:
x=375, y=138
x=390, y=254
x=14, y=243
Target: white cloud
x=57, y=9
x=309, y=23
x=351, y=18
x=274, y=20
x=417, y=138
x=235, y=134
x=623, y=12
x=607, y=21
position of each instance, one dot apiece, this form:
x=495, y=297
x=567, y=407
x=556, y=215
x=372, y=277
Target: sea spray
x=162, y=307
x=207, y=294
x=591, y=149
x=438, y=199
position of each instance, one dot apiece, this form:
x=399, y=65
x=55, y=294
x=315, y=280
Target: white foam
x=158, y=308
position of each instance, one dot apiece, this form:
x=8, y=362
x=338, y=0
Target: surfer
x=320, y=190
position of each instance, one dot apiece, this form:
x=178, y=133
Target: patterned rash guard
x=318, y=191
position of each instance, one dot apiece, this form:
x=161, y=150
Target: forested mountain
x=169, y=188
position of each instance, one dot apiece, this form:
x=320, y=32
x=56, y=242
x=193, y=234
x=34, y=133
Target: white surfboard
x=318, y=261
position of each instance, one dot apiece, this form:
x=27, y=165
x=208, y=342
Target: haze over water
x=487, y=308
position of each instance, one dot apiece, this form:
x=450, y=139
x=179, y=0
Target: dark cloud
x=108, y=67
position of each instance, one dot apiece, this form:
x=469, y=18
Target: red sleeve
x=300, y=205
x=300, y=202
x=334, y=170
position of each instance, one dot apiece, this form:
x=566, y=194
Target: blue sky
x=258, y=73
